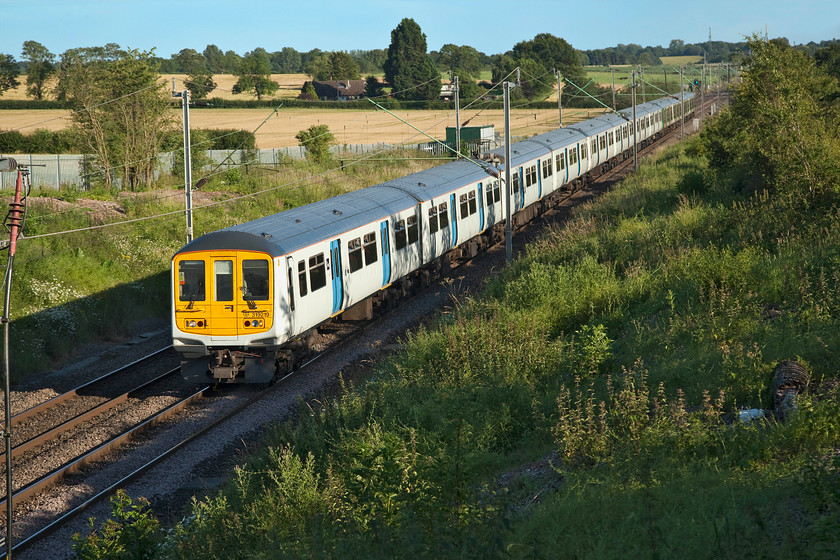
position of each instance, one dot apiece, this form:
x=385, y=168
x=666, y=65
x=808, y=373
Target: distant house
x=339, y=90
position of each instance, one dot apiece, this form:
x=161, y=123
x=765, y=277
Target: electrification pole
x=560, y=97
x=14, y=221
x=185, y=101
x=508, y=179
x=682, y=104
x=702, y=90
x=635, y=131
x=457, y=118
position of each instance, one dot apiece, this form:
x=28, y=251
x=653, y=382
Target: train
x=247, y=300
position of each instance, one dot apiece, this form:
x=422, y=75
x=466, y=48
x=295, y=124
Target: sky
x=490, y=26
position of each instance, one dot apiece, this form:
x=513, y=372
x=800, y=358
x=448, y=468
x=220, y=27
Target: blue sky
x=491, y=26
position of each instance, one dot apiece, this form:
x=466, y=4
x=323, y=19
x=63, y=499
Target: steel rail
x=46, y=405
x=74, y=422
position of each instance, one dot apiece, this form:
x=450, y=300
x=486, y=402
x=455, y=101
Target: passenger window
x=497, y=191
x=561, y=162
x=370, y=248
x=472, y=202
x=255, y=279
x=413, y=229
x=433, y=220
x=443, y=216
x=584, y=153
x=224, y=280
x=302, y=278
x=317, y=272
x=515, y=181
x=354, y=254
x=399, y=234
x=191, y=281
x=603, y=141
x=465, y=206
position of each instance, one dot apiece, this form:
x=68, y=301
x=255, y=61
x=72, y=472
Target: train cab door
x=337, y=280
x=222, y=309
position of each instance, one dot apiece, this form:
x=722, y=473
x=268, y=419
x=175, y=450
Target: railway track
x=245, y=399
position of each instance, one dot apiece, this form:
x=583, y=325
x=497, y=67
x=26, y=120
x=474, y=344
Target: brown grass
x=348, y=126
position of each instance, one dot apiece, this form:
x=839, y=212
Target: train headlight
x=195, y=323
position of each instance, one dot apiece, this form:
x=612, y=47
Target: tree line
x=121, y=106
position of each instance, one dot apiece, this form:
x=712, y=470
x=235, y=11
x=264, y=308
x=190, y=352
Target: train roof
x=300, y=227
x=297, y=228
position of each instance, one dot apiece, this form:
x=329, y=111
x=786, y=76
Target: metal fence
x=70, y=170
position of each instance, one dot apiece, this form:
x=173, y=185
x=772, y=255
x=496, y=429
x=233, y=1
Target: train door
x=290, y=295
x=337, y=282
x=222, y=308
x=480, y=208
x=386, y=253
x=453, y=219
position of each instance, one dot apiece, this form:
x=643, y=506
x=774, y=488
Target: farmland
x=348, y=126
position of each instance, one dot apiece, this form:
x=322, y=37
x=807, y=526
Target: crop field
x=348, y=126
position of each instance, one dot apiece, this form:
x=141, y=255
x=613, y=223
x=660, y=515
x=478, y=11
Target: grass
x=585, y=405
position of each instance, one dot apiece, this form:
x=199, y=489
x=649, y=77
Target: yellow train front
x=225, y=308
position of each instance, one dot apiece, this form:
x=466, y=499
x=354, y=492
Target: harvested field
x=348, y=126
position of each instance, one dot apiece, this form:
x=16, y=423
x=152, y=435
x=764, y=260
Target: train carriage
x=246, y=299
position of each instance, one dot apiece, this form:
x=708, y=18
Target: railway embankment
x=611, y=393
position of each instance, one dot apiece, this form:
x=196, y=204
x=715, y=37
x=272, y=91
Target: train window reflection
x=255, y=279
x=191, y=281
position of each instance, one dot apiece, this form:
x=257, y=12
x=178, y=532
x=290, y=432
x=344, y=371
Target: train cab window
x=547, y=168
x=317, y=272
x=399, y=234
x=224, y=280
x=354, y=254
x=433, y=220
x=191, y=281
x=302, y=278
x=370, y=248
x=603, y=140
x=561, y=162
x=473, y=204
x=255, y=279
x=443, y=216
x=413, y=229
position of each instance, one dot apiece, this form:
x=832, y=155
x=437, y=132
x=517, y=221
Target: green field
x=680, y=60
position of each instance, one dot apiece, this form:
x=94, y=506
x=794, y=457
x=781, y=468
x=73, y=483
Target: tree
x=286, y=61
x=8, y=73
x=316, y=139
x=254, y=75
x=408, y=69
x=778, y=133
x=463, y=61
x=200, y=84
x=552, y=53
x=41, y=67
x=215, y=59
x=373, y=87
x=828, y=59
x=307, y=92
x=337, y=65
x=191, y=61
x=121, y=110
